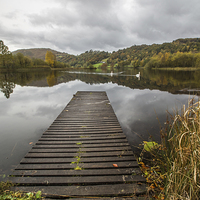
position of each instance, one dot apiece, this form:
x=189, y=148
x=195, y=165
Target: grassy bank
x=178, y=68
x=173, y=170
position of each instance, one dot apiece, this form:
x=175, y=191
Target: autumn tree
x=50, y=58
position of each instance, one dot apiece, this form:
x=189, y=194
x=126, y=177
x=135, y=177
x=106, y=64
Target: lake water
x=31, y=101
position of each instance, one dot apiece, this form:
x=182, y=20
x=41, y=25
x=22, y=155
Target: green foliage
x=6, y=194
x=179, y=59
x=149, y=146
x=3, y=48
x=18, y=60
x=179, y=53
x=89, y=58
x=5, y=55
x=38, y=62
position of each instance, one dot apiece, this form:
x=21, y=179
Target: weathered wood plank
x=98, y=190
x=86, y=122
x=37, y=146
x=84, y=142
x=70, y=160
x=85, y=130
x=57, y=134
x=73, y=166
x=76, y=180
x=82, y=132
x=63, y=138
x=83, y=120
x=81, y=154
x=80, y=149
x=85, y=172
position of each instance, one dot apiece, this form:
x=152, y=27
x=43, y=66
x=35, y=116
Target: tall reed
x=180, y=147
x=178, y=156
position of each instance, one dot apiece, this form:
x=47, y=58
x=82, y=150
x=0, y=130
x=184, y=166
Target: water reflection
x=176, y=82
x=7, y=88
x=35, y=99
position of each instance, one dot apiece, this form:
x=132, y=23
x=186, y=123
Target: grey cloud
x=166, y=20
x=91, y=24
x=11, y=15
x=77, y=26
x=81, y=13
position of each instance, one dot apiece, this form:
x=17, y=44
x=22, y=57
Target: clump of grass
x=177, y=158
x=6, y=193
x=5, y=186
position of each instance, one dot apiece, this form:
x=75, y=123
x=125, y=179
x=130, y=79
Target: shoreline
x=177, y=69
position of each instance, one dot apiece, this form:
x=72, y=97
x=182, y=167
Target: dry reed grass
x=178, y=156
x=182, y=141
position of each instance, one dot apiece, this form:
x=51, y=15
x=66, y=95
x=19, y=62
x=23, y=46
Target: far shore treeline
x=181, y=53
x=12, y=61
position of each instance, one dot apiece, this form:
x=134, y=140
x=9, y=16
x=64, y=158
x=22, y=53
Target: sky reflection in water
x=30, y=110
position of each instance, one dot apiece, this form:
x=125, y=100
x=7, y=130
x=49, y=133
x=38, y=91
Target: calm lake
x=30, y=101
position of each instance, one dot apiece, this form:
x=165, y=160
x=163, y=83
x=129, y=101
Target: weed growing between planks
x=173, y=170
x=78, y=158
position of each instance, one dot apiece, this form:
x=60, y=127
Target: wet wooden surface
x=83, y=154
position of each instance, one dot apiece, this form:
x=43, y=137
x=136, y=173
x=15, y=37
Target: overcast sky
x=75, y=26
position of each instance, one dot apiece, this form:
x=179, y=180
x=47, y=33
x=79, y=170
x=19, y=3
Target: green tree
x=3, y=48
x=4, y=54
x=20, y=59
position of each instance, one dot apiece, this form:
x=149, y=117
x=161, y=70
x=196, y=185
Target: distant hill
x=135, y=56
x=90, y=57
x=41, y=52
x=35, y=53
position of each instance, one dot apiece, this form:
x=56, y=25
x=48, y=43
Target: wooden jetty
x=83, y=154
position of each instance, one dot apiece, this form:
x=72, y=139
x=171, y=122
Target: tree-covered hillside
x=134, y=56
x=140, y=55
x=41, y=52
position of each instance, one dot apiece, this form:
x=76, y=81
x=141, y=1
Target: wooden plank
x=76, y=180
x=37, y=146
x=64, y=128
x=86, y=122
x=80, y=149
x=56, y=134
x=85, y=127
x=83, y=120
x=86, y=172
x=84, y=142
x=81, y=154
x=63, y=138
x=70, y=160
x=103, y=165
x=96, y=190
x=81, y=132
